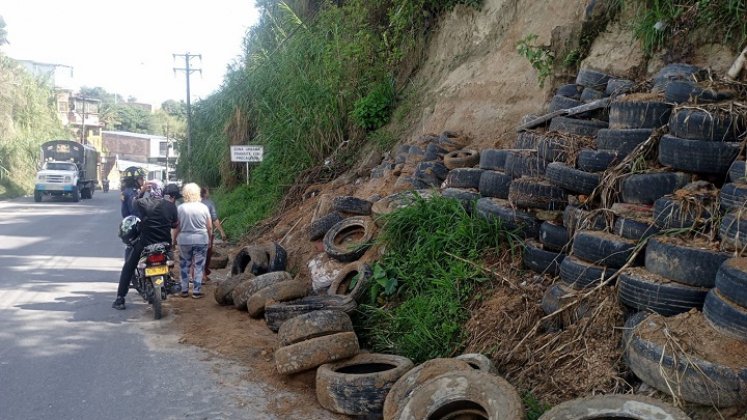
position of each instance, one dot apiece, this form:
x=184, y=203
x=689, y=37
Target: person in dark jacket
x=158, y=216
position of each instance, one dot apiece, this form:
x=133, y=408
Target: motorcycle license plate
x=157, y=270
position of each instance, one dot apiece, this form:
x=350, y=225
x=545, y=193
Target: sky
x=126, y=47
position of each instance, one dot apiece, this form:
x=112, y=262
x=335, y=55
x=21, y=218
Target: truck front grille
x=55, y=179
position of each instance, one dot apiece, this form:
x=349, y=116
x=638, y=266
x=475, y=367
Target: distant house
x=140, y=150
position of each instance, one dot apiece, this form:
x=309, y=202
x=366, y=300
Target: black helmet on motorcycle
x=129, y=229
x=173, y=191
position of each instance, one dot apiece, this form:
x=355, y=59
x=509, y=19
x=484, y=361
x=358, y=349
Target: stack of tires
x=251, y=263
x=725, y=307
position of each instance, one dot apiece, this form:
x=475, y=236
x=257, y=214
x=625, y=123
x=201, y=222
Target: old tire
x=341, y=284
x=622, y=141
x=738, y=171
x=464, y=178
x=580, y=274
x=570, y=90
x=539, y=260
x=313, y=324
x=733, y=196
x=596, y=160
x=315, y=352
x=359, y=385
x=618, y=86
x=238, y=297
x=644, y=114
x=524, y=163
x=279, y=292
x=351, y=205
x=698, y=156
x=320, y=226
x=645, y=188
x=349, y=239
x=733, y=230
x=634, y=228
x=554, y=237
x=559, y=102
x=527, y=140
x=537, y=193
x=277, y=257
x=252, y=259
x=276, y=314
x=698, y=124
x=725, y=316
x=683, y=263
x=667, y=368
x=465, y=158
x=589, y=78
x=494, y=184
x=633, y=407
x=415, y=378
x=587, y=128
x=75, y=195
x=571, y=179
x=472, y=392
x=224, y=289
x=526, y=224
x=476, y=361
x=672, y=213
x=603, y=248
x=646, y=291
x=258, y=283
x=731, y=280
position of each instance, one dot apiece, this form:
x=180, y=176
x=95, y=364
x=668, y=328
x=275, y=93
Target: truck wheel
x=76, y=194
x=37, y=196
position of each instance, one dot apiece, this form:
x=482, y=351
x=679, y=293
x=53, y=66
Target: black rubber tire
x=628, y=114
x=670, y=213
x=559, y=102
x=554, y=237
x=539, y=260
x=632, y=228
x=463, y=392
x=493, y=159
x=349, y=239
x=701, y=157
x=314, y=352
x=464, y=178
x=731, y=280
x=451, y=141
x=527, y=140
x=320, y=226
x=238, y=297
x=738, y=171
x=579, y=274
x=698, y=124
x=252, y=259
x=681, y=91
x=733, y=231
x=725, y=316
x=277, y=257
x=645, y=188
x=553, y=148
x=525, y=224
x=359, y=385
x=434, y=152
x=224, y=289
x=577, y=127
x=553, y=298
x=618, y=87
x=494, y=184
x=464, y=158
x=75, y=195
x=537, y=193
x=341, y=284
x=157, y=302
x=524, y=163
x=282, y=291
x=572, y=91
x=590, y=95
x=733, y=196
x=684, y=264
x=667, y=368
x=571, y=179
x=431, y=170
x=276, y=314
x=596, y=160
x=415, y=378
x=37, y=196
x=622, y=141
x=603, y=248
x=632, y=407
x=646, y=291
x=592, y=79
x=313, y=324
x=466, y=197
x=677, y=71
x=351, y=205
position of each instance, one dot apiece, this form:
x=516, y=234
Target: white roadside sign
x=247, y=153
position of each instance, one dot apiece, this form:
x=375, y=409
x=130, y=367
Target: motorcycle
x=152, y=278
x=105, y=186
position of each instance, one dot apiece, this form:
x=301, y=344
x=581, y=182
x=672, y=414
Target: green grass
x=433, y=249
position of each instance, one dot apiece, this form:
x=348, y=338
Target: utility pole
x=188, y=71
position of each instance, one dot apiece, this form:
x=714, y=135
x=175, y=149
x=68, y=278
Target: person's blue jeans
x=188, y=255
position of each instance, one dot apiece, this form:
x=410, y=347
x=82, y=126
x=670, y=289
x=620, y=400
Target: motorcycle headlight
x=68, y=179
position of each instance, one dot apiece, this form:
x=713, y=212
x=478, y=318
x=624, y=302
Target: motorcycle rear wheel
x=157, y=309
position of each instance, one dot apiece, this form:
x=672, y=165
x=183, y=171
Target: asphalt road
x=66, y=354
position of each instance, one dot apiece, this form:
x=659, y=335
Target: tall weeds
x=432, y=253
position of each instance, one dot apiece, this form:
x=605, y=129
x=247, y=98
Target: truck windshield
x=60, y=166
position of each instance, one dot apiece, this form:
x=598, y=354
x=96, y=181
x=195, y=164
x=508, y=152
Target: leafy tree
x=175, y=108
x=3, y=32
